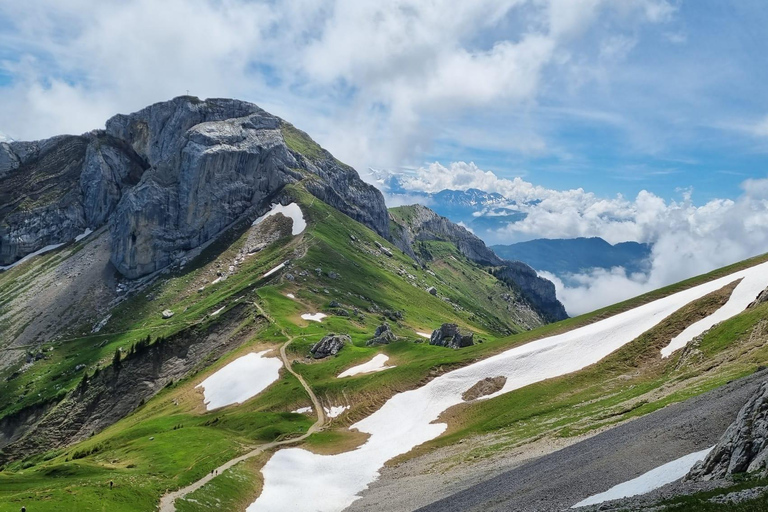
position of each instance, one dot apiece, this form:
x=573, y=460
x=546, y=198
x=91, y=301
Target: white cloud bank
x=688, y=239
x=370, y=79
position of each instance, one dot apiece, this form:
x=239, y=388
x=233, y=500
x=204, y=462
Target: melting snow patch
x=218, y=311
x=408, y=419
x=424, y=335
x=649, y=481
x=280, y=266
x=243, y=378
x=374, y=365
x=744, y=293
x=31, y=255
x=315, y=317
x=335, y=411
x=292, y=210
x=290, y=295
x=83, y=235
x=303, y=410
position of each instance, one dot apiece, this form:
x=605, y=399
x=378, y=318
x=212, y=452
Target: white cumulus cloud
x=688, y=239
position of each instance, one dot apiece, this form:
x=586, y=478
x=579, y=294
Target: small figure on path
x=111, y=484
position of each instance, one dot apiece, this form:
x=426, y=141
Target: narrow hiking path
x=168, y=501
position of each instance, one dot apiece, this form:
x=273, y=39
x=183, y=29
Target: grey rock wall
x=166, y=179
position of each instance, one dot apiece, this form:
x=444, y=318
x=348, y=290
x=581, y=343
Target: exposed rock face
x=485, y=387
x=52, y=190
x=329, y=345
x=167, y=179
x=539, y=291
x=448, y=335
x=744, y=446
x=382, y=336
x=424, y=224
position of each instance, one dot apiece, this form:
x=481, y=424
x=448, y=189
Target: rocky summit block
x=382, y=336
x=330, y=345
x=167, y=179
x=449, y=335
x=743, y=448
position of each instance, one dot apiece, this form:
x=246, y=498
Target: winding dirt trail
x=168, y=501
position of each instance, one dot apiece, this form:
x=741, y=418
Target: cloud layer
x=688, y=239
x=375, y=81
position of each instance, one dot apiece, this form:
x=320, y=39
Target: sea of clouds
x=688, y=239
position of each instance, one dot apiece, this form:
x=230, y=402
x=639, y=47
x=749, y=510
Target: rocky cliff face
x=744, y=446
x=167, y=179
x=418, y=222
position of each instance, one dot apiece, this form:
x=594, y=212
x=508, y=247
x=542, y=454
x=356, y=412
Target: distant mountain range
x=574, y=255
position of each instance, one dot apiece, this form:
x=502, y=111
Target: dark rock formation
x=329, y=345
x=744, y=446
x=449, y=335
x=382, y=336
x=424, y=224
x=168, y=179
x=485, y=387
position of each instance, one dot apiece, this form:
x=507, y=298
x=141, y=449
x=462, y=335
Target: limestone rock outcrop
x=449, y=335
x=167, y=179
x=382, y=336
x=743, y=448
x=329, y=346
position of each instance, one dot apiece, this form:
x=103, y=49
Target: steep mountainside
x=308, y=341
x=415, y=225
x=574, y=255
x=153, y=231
x=167, y=179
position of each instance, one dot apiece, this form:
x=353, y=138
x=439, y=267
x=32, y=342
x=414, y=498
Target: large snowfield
x=298, y=480
x=653, y=479
x=243, y=378
x=293, y=211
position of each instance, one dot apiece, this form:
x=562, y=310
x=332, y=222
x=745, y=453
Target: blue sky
x=637, y=120
x=614, y=96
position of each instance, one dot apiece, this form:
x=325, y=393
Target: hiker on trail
x=111, y=484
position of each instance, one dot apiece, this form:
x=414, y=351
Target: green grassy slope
x=172, y=441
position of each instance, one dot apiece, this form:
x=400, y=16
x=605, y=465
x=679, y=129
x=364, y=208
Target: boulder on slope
x=330, y=345
x=382, y=336
x=449, y=335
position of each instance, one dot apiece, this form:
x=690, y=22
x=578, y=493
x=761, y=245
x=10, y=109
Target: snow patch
x=218, y=310
x=303, y=410
x=315, y=317
x=645, y=483
x=31, y=255
x=374, y=365
x=290, y=295
x=280, y=266
x=243, y=378
x=296, y=479
x=84, y=234
x=743, y=295
x=335, y=411
x=424, y=335
x=292, y=211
